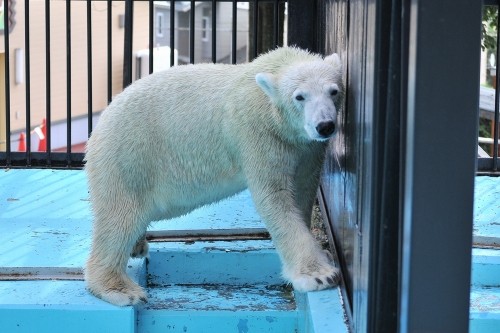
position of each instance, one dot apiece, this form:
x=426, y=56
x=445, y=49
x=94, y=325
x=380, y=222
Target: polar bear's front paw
x=121, y=297
x=118, y=290
x=314, y=277
x=124, y=297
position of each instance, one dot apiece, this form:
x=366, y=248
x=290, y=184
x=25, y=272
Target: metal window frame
x=412, y=242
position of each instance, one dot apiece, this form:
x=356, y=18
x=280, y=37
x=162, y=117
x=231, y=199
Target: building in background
x=58, y=66
x=203, y=30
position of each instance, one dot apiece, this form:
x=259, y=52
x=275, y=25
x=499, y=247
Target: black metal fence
x=266, y=25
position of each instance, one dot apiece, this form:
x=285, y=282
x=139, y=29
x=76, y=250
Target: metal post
x=172, y=32
x=234, y=33
x=127, y=55
x=27, y=56
x=192, y=29
x=214, y=31
x=302, y=24
x=89, y=69
x=151, y=36
x=48, y=95
x=7, y=83
x=439, y=165
x=68, y=82
x=109, y=54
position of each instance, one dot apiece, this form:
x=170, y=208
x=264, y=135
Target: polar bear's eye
x=334, y=92
x=299, y=98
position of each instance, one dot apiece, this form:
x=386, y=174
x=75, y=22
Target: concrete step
x=230, y=286
x=217, y=287
x=485, y=267
x=485, y=291
x=221, y=262
x=485, y=310
x=219, y=308
x=34, y=303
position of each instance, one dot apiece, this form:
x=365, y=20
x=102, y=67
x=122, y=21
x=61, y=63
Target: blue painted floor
x=210, y=286
x=222, y=286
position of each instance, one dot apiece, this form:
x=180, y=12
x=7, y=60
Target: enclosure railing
x=263, y=18
x=489, y=104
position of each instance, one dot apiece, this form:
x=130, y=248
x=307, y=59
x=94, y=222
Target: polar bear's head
x=310, y=93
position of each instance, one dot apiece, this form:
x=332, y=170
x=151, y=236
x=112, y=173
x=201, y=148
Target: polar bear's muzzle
x=326, y=129
x=321, y=131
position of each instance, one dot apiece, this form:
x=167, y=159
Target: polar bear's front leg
x=305, y=265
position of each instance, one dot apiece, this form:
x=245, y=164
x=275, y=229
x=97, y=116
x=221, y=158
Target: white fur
x=196, y=134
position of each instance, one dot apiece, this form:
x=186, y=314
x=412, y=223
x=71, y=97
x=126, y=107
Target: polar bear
x=195, y=134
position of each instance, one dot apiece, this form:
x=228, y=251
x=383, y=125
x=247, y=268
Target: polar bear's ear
x=267, y=83
x=334, y=60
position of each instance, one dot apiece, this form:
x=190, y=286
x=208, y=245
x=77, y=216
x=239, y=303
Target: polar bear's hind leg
x=117, y=230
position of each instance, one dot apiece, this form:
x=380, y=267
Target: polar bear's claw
x=141, y=249
x=325, y=277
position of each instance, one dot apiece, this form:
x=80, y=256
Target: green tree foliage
x=489, y=28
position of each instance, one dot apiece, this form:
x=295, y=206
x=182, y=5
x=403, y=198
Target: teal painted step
x=486, y=267
x=29, y=306
x=59, y=306
x=219, y=308
x=217, y=287
x=232, y=263
x=233, y=286
x=485, y=310
x=485, y=291
x=486, y=212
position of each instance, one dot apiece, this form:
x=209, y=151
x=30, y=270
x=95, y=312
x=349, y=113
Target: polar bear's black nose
x=326, y=128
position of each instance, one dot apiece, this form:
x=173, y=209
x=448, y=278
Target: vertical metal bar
x=439, y=203
x=7, y=82
x=110, y=51
x=151, y=35
x=255, y=28
x=276, y=24
x=68, y=82
x=28, y=79
x=128, y=35
x=192, y=27
x=89, y=67
x=385, y=115
x=234, y=34
x=302, y=34
x=48, y=105
x=214, y=31
x=497, y=98
x=172, y=32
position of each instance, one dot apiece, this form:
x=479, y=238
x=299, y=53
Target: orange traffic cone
x=42, y=135
x=22, y=142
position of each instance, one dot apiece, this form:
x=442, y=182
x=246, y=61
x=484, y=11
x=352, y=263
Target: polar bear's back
x=193, y=95
x=185, y=121
x=170, y=123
